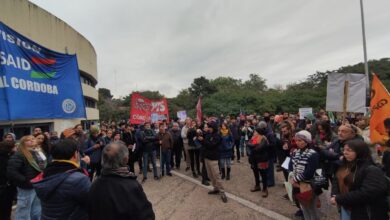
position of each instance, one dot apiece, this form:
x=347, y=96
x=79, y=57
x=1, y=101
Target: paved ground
x=179, y=198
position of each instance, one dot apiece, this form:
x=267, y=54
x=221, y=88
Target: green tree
x=202, y=87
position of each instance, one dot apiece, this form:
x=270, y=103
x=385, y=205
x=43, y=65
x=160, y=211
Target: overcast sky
x=164, y=45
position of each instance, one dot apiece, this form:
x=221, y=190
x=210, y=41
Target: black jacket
x=149, y=140
x=4, y=157
x=177, y=139
x=20, y=172
x=367, y=195
x=259, y=151
x=386, y=163
x=211, y=144
x=63, y=191
x=114, y=197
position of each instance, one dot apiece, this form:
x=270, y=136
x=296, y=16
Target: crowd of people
x=71, y=175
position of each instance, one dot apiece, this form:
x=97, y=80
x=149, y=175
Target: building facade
x=49, y=31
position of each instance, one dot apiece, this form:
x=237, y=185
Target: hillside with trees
x=230, y=96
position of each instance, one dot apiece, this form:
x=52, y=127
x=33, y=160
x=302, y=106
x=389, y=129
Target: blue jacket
x=226, y=146
x=63, y=192
x=94, y=154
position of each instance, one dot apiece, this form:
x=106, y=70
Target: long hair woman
x=360, y=187
x=23, y=166
x=42, y=141
x=225, y=151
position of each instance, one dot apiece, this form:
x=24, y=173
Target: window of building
x=89, y=103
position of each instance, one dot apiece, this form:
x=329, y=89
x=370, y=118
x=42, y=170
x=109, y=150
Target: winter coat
x=94, y=154
x=235, y=132
x=226, y=146
x=63, y=190
x=330, y=157
x=191, y=135
x=20, y=172
x=149, y=140
x=166, y=141
x=118, y=198
x=177, y=139
x=259, y=151
x=211, y=143
x=5, y=185
x=386, y=163
x=367, y=194
x=272, y=144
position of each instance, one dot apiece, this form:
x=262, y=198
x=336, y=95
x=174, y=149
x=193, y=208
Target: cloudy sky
x=164, y=45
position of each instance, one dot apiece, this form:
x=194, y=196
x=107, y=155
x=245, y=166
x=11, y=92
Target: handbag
x=319, y=182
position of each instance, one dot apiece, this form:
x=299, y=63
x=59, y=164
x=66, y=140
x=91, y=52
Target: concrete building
x=49, y=31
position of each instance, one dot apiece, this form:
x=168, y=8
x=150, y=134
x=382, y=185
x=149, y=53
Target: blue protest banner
x=35, y=82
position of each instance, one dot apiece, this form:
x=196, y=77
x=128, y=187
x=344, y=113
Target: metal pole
x=365, y=54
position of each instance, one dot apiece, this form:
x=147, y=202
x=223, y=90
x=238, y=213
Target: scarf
x=121, y=171
x=224, y=132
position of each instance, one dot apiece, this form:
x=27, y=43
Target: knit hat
x=304, y=135
x=261, y=131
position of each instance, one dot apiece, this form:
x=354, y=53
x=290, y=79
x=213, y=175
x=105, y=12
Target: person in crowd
x=364, y=125
x=166, y=145
x=225, y=151
x=359, y=187
x=288, y=144
x=259, y=159
x=7, y=189
x=200, y=133
x=22, y=167
x=177, y=145
x=9, y=137
x=80, y=136
x=44, y=143
x=149, y=140
x=193, y=149
x=63, y=186
x=116, y=194
x=109, y=137
x=304, y=162
x=334, y=152
x=211, y=142
x=129, y=140
x=54, y=139
x=184, y=132
x=272, y=144
x=246, y=135
x=234, y=128
x=139, y=145
x=93, y=148
x=36, y=131
x=386, y=159
x=325, y=136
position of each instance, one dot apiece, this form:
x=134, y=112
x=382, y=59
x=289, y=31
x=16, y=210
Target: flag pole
x=365, y=55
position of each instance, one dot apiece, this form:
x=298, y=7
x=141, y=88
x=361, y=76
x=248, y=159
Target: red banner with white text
x=146, y=110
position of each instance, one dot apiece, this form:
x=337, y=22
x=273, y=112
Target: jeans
x=225, y=161
x=165, y=161
x=263, y=173
x=28, y=205
x=345, y=214
x=176, y=155
x=152, y=155
x=242, y=145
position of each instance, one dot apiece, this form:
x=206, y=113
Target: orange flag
x=380, y=110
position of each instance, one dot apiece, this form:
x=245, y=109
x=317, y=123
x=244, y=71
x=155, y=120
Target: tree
x=256, y=83
x=202, y=87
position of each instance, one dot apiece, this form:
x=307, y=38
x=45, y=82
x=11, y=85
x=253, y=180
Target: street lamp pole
x=365, y=53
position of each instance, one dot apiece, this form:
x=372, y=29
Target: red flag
x=199, y=110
